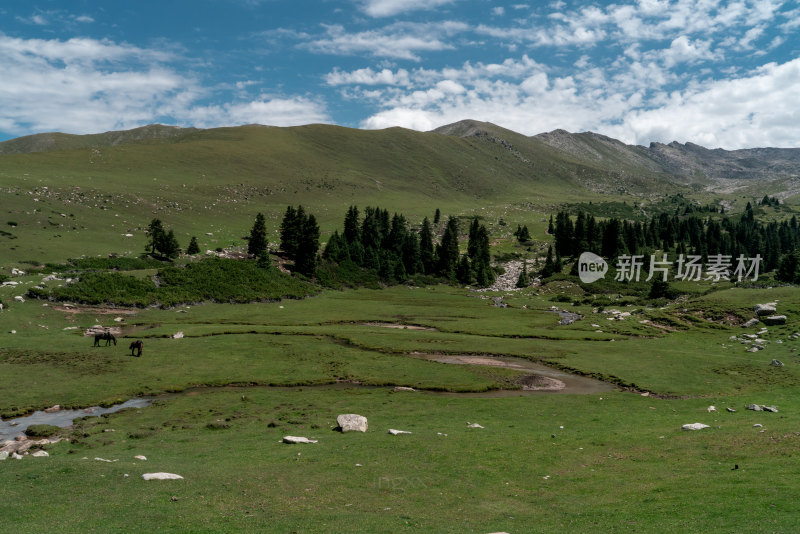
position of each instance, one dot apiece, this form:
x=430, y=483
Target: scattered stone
x=16, y=456
x=140, y=457
x=711, y=409
x=177, y=335
x=473, y=425
x=19, y=298
x=755, y=407
x=52, y=409
x=161, y=476
x=765, y=309
x=773, y=320
x=40, y=454
x=402, y=388
x=758, y=425
x=3, y=455
x=695, y=426
x=776, y=363
x=297, y=439
x=755, y=348
x=351, y=422
x=394, y=432
x=731, y=410
x=772, y=409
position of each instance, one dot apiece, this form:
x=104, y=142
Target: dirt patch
x=541, y=383
x=400, y=326
x=96, y=310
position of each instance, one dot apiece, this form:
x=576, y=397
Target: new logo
x=591, y=267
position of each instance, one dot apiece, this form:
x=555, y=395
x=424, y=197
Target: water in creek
x=63, y=418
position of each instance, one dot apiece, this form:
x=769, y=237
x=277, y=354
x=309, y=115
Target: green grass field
x=229, y=380
x=243, y=376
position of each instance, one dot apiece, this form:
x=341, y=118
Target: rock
x=711, y=409
x=773, y=320
x=402, y=388
x=695, y=426
x=52, y=409
x=297, y=439
x=161, y=476
x=772, y=409
x=776, y=363
x=755, y=407
x=19, y=298
x=755, y=348
x=731, y=410
x=140, y=457
x=16, y=456
x=3, y=455
x=473, y=425
x=394, y=432
x=765, y=309
x=758, y=425
x=351, y=422
x=177, y=335
x=40, y=454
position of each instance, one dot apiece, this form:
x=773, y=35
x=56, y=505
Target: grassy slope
x=215, y=181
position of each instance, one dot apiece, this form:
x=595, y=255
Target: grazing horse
x=136, y=346
x=107, y=336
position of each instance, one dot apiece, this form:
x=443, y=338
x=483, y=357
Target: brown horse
x=136, y=346
x=107, y=336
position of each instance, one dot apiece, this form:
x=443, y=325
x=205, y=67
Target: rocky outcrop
x=297, y=439
x=765, y=309
x=161, y=476
x=774, y=320
x=695, y=426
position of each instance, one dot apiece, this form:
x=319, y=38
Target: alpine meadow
x=549, y=333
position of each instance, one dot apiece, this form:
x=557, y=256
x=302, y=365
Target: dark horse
x=136, y=346
x=107, y=336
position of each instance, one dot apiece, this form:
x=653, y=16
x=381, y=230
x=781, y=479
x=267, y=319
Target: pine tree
x=352, y=230
x=193, y=248
x=156, y=235
x=257, y=241
x=448, y=249
x=437, y=216
x=523, y=280
x=289, y=230
x=169, y=246
x=307, y=245
x=426, y=247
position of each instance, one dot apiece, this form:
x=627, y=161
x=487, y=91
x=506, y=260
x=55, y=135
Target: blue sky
x=716, y=73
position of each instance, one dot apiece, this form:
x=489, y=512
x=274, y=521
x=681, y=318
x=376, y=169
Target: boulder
x=402, y=388
x=351, y=422
x=711, y=409
x=773, y=320
x=473, y=425
x=394, y=432
x=776, y=363
x=52, y=409
x=765, y=309
x=161, y=476
x=731, y=410
x=695, y=426
x=772, y=409
x=3, y=455
x=755, y=407
x=297, y=439
x=40, y=454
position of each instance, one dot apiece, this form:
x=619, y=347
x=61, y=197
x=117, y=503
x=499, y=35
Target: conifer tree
x=426, y=249
x=447, y=251
x=257, y=241
x=193, y=248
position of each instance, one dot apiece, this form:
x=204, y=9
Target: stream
x=16, y=427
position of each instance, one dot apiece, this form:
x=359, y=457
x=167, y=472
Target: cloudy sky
x=716, y=73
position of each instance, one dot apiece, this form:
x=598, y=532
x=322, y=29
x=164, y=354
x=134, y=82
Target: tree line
x=691, y=234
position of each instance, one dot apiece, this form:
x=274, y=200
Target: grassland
x=240, y=376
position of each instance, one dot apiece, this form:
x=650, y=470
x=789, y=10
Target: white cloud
x=388, y=8
x=400, y=40
x=368, y=77
x=755, y=109
x=86, y=86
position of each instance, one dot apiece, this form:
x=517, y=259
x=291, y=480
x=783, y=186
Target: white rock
x=473, y=425
x=40, y=454
x=19, y=298
x=351, y=422
x=711, y=409
x=16, y=456
x=758, y=425
x=297, y=439
x=177, y=335
x=161, y=476
x=3, y=455
x=403, y=388
x=695, y=426
x=394, y=432
x=140, y=457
